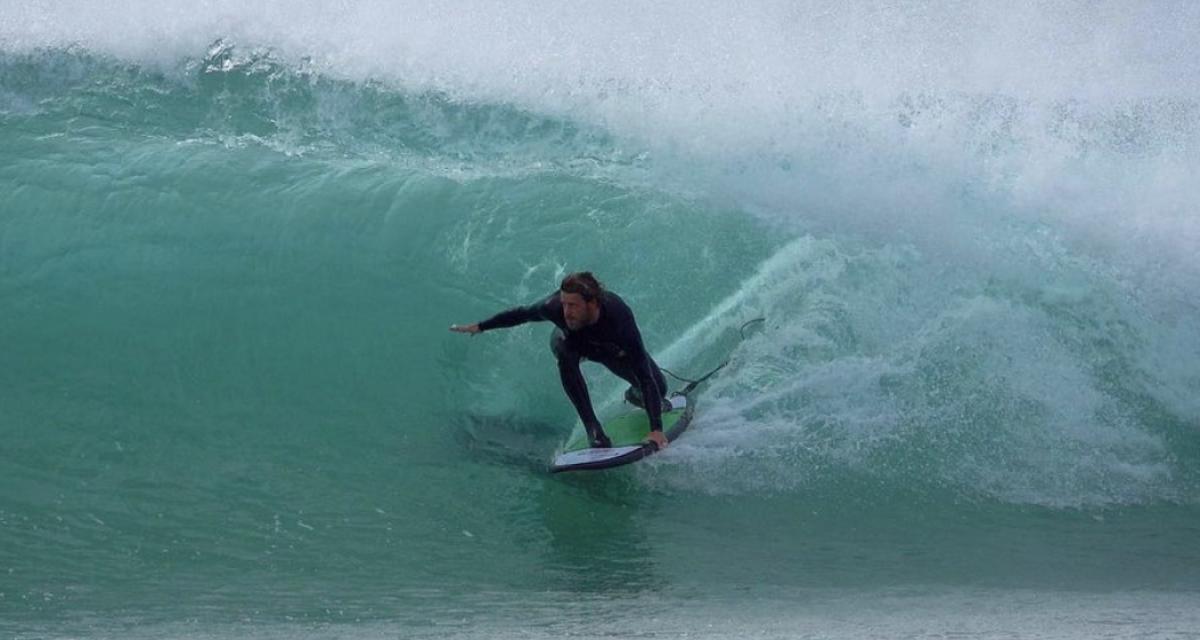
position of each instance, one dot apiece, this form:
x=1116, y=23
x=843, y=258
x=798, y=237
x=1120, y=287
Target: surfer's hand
x=658, y=438
x=465, y=328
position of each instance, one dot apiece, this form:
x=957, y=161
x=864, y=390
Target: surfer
x=592, y=324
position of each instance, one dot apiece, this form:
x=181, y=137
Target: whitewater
x=233, y=236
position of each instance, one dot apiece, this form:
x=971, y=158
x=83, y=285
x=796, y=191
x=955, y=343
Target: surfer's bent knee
x=558, y=344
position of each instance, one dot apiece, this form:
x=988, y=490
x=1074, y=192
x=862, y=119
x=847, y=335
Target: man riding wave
x=593, y=324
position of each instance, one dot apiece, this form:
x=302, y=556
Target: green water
x=230, y=407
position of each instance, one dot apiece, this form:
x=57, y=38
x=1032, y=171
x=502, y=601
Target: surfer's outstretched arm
x=535, y=312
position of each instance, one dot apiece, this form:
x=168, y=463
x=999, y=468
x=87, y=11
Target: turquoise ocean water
x=232, y=237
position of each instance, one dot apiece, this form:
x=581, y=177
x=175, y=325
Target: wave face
x=231, y=241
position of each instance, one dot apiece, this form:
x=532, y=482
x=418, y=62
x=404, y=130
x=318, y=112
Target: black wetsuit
x=614, y=341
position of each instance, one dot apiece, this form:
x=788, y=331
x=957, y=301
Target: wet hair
x=583, y=283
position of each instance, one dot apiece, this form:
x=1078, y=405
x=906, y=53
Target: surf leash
x=692, y=384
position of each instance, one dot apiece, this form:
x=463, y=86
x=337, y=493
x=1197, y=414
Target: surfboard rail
x=627, y=432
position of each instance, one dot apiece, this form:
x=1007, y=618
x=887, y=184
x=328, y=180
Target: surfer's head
x=580, y=294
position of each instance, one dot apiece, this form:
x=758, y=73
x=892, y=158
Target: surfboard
x=626, y=431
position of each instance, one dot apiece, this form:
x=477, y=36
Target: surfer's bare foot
x=658, y=439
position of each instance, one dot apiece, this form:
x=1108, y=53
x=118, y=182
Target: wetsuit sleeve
x=535, y=312
x=636, y=350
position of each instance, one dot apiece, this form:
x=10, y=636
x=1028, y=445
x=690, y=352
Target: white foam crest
x=675, y=66
x=872, y=115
